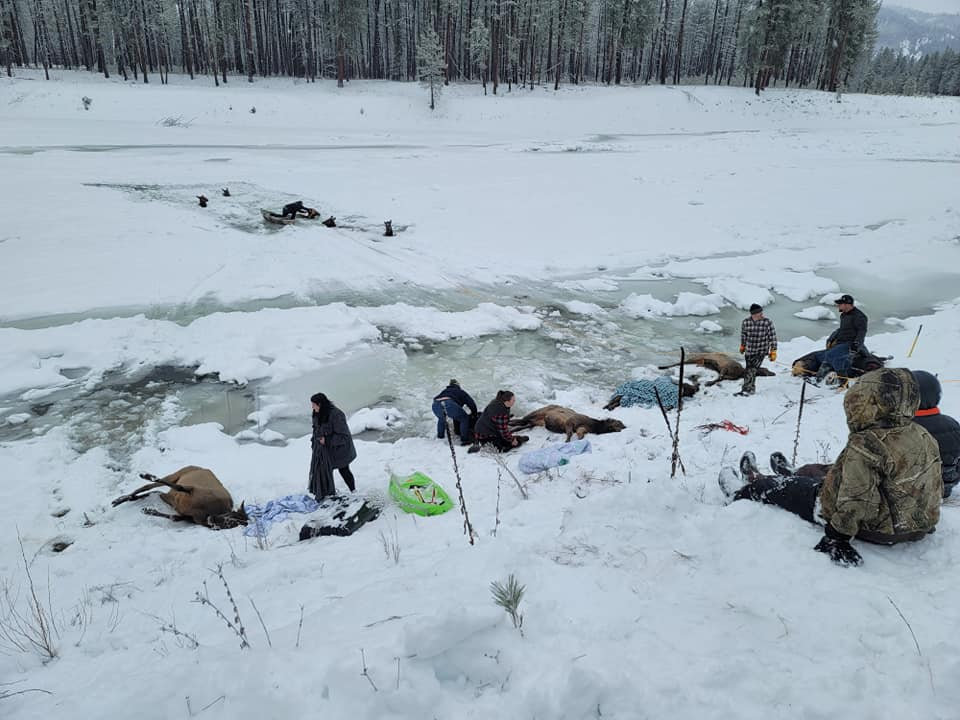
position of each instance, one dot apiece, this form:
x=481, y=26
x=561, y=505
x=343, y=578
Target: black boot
x=748, y=465
x=823, y=372
x=780, y=465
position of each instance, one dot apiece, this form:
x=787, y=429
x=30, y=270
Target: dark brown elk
x=559, y=419
x=728, y=367
x=195, y=494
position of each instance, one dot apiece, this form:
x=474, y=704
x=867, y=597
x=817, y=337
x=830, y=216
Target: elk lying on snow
x=195, y=494
x=728, y=367
x=558, y=419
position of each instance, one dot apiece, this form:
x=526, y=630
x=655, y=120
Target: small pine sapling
x=508, y=596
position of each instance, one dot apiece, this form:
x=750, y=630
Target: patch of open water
x=597, y=351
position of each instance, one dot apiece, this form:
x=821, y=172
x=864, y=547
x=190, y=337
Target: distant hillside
x=916, y=33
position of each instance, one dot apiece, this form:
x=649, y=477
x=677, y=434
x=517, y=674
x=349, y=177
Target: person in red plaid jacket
x=758, y=337
x=493, y=426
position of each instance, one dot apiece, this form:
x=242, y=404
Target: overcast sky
x=933, y=6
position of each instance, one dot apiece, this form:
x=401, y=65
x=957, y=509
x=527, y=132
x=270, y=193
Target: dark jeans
x=502, y=445
x=837, y=357
x=794, y=493
x=752, y=363
x=455, y=413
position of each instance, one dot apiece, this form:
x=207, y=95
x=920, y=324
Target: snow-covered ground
x=646, y=597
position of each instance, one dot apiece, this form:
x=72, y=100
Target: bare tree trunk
x=663, y=47
x=186, y=63
x=248, y=31
x=621, y=40
x=733, y=50
x=676, y=66
x=559, y=63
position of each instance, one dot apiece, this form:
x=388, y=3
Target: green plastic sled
x=419, y=494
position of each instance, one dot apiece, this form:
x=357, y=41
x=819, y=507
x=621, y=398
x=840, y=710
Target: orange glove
x=773, y=356
x=743, y=349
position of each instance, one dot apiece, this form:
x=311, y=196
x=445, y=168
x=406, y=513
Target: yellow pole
x=917, y=337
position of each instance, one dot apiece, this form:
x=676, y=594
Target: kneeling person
x=493, y=427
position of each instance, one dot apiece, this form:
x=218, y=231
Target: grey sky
x=932, y=6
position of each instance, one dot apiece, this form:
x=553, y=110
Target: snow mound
x=686, y=304
x=817, y=312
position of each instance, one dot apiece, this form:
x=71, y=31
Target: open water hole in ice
x=595, y=351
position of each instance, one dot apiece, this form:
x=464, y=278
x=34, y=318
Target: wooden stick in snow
x=667, y=421
x=675, y=460
x=796, y=438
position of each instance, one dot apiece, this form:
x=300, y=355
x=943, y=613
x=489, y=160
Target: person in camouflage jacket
x=885, y=487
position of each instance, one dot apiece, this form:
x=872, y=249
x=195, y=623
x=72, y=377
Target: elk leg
x=137, y=494
x=157, y=513
x=173, y=486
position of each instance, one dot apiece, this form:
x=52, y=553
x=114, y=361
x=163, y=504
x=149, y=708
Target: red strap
x=727, y=425
x=928, y=411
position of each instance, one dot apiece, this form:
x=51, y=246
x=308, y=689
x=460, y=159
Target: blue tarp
x=261, y=517
x=641, y=392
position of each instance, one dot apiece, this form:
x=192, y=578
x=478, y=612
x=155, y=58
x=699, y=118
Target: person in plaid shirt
x=758, y=337
x=493, y=426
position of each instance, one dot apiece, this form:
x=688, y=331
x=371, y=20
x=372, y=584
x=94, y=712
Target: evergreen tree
x=480, y=49
x=430, y=65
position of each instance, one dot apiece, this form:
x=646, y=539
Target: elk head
x=228, y=520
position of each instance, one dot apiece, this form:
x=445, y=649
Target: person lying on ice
x=884, y=487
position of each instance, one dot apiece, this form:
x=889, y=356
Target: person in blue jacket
x=452, y=400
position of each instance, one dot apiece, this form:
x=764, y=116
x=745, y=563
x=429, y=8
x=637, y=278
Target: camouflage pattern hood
x=886, y=485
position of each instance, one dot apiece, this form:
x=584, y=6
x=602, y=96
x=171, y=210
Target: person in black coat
x=846, y=342
x=452, y=400
x=291, y=210
x=332, y=446
x=945, y=429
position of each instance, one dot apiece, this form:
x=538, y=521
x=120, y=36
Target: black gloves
x=838, y=547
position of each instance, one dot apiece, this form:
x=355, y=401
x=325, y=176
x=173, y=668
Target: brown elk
x=728, y=367
x=195, y=494
x=559, y=419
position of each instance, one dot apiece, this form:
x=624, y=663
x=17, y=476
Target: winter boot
x=730, y=482
x=748, y=465
x=823, y=372
x=780, y=465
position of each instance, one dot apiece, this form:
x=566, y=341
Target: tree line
x=525, y=43
x=893, y=73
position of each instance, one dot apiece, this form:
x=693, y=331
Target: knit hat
x=754, y=309
x=454, y=382
x=929, y=389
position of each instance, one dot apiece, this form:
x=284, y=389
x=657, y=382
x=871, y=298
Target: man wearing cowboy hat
x=758, y=339
x=846, y=342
